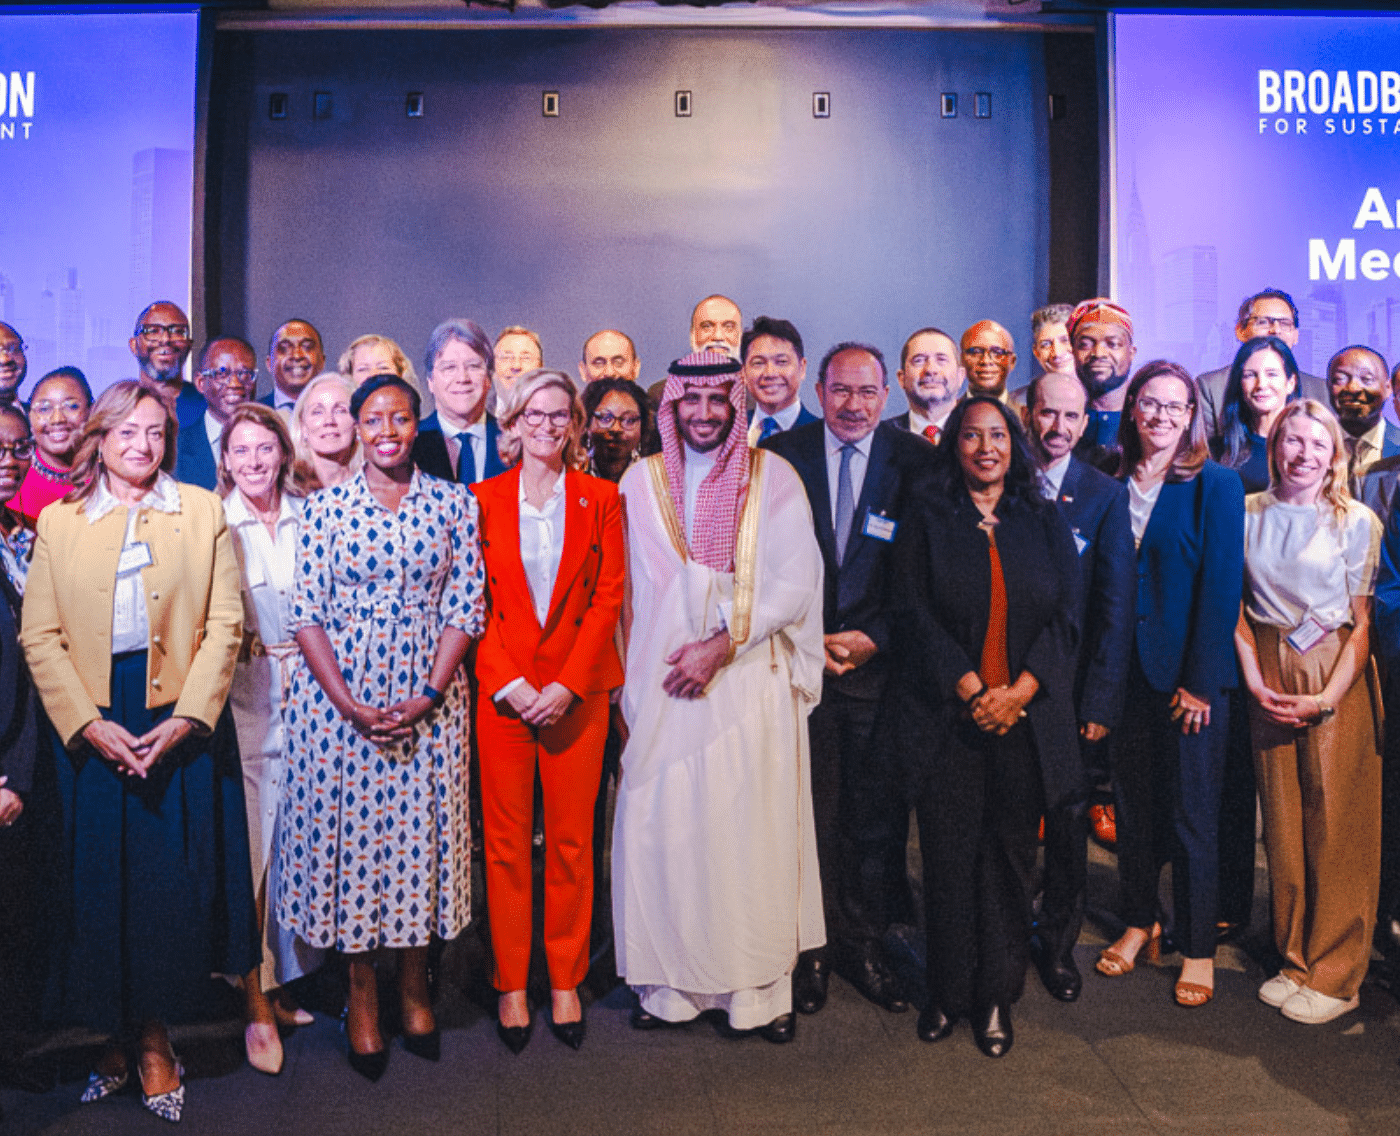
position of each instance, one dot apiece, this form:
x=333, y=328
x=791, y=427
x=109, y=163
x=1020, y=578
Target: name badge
x=1306, y=635
x=134, y=556
x=881, y=528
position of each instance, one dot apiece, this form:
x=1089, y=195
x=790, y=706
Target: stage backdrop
x=868, y=224
x=97, y=118
x=1257, y=153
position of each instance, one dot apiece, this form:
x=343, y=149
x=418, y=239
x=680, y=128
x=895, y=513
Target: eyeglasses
x=524, y=358
x=1271, y=323
x=69, y=407
x=606, y=419
x=534, y=417
x=1176, y=411
x=175, y=332
x=979, y=352
x=20, y=451
x=223, y=376
x=13, y=350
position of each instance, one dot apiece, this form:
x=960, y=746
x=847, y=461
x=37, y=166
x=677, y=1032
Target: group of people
x=257, y=644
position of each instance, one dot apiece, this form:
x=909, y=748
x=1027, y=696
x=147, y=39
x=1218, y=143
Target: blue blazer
x=1387, y=597
x=430, y=450
x=1096, y=508
x=189, y=404
x=195, y=463
x=1391, y=446
x=857, y=590
x=1190, y=582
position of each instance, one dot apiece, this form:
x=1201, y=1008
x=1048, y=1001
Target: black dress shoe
x=641, y=1020
x=991, y=1029
x=425, y=1045
x=514, y=1038
x=1059, y=975
x=780, y=1030
x=809, y=982
x=934, y=1024
x=873, y=979
x=570, y=1033
x=370, y=1066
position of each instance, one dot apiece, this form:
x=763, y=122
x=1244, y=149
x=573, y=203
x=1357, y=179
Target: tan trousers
x=1320, y=789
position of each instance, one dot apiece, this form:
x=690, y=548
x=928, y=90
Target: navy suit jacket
x=430, y=450
x=1387, y=598
x=857, y=590
x=1190, y=581
x=195, y=463
x=189, y=404
x=1096, y=508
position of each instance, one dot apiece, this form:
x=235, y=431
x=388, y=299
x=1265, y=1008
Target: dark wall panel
x=867, y=224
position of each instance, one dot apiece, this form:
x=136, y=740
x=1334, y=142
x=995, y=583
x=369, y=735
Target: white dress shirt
x=474, y=434
x=860, y=458
x=213, y=430
x=785, y=419
x=541, y=547
x=131, y=629
x=918, y=423
x=1052, y=477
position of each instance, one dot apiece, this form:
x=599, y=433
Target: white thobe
x=255, y=697
x=715, y=884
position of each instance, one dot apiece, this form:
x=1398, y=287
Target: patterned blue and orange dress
x=375, y=840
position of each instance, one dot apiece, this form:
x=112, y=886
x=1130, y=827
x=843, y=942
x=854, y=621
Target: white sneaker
x=1278, y=990
x=1313, y=1008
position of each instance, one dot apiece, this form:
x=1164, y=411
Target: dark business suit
x=979, y=796
x=855, y=793
x=189, y=403
x=1387, y=645
x=195, y=460
x=804, y=416
x=1096, y=508
x=430, y=451
x=1168, y=784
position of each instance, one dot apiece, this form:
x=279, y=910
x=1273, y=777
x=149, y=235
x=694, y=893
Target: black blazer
x=1096, y=508
x=430, y=450
x=857, y=591
x=942, y=590
x=195, y=463
x=19, y=705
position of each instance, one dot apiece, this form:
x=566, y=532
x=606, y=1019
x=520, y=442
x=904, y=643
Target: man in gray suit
x=1270, y=312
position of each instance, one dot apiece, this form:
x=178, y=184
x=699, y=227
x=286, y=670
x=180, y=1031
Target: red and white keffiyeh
x=721, y=494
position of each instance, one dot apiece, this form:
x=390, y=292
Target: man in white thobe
x=715, y=884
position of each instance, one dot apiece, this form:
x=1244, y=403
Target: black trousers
x=1390, y=802
x=978, y=805
x=1238, y=797
x=857, y=806
x=1167, y=788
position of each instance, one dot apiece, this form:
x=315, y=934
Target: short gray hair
x=462, y=331
x=1051, y=313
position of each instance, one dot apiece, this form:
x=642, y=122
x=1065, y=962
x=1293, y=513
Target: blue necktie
x=466, y=459
x=767, y=428
x=845, y=503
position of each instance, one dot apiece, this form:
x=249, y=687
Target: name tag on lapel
x=134, y=556
x=879, y=527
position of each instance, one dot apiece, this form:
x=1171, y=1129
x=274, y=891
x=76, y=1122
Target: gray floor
x=1123, y=1061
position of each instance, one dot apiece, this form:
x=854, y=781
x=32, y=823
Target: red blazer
x=576, y=646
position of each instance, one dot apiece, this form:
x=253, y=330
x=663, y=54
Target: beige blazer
x=192, y=605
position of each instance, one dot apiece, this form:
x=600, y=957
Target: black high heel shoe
x=570, y=1033
x=425, y=1045
x=515, y=1038
x=370, y=1066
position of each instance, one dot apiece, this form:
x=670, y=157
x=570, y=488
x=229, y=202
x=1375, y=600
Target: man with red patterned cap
x=1101, y=336
x=715, y=883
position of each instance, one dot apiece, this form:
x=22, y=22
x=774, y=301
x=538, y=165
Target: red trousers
x=570, y=759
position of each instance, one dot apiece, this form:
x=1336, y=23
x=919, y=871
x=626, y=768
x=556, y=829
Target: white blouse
x=541, y=547
x=131, y=629
x=1299, y=562
x=1141, y=502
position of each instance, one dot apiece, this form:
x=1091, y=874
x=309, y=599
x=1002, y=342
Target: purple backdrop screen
x=1254, y=153
x=97, y=116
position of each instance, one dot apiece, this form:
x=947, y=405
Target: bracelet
x=1323, y=710
x=434, y=696
x=976, y=695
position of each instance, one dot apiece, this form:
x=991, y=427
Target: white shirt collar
x=236, y=511
x=785, y=417
x=163, y=496
x=834, y=444
x=213, y=430
x=554, y=495
x=1053, y=476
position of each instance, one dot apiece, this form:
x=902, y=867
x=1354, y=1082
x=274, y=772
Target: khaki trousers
x=1320, y=789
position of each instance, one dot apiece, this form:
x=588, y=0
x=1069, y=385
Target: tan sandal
x=1113, y=965
x=1192, y=994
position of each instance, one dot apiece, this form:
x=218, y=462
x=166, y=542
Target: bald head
x=609, y=354
x=988, y=356
x=1055, y=415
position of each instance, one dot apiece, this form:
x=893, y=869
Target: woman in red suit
x=551, y=538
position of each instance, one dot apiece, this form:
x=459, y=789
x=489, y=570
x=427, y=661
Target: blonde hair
x=305, y=465
x=260, y=414
x=113, y=407
x=1335, y=488
x=514, y=401
x=403, y=366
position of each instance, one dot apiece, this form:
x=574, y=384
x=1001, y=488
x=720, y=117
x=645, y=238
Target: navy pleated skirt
x=154, y=891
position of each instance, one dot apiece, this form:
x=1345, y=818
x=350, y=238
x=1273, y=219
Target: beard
x=1097, y=388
